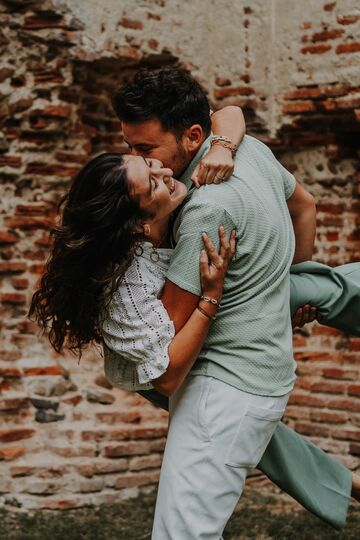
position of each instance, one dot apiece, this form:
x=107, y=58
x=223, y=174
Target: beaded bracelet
x=212, y=301
x=212, y=318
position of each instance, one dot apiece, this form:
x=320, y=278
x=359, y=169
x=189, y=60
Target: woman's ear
x=141, y=228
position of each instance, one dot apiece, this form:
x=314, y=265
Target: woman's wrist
x=210, y=309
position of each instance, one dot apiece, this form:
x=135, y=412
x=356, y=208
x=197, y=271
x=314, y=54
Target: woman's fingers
x=226, y=250
x=213, y=255
x=204, y=264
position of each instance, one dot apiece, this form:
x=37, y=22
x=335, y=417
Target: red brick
x=222, y=93
x=221, y=81
x=128, y=448
x=354, y=344
x=348, y=19
x=8, y=238
x=131, y=23
x=308, y=428
x=328, y=387
x=347, y=434
x=328, y=417
x=307, y=400
x=13, y=298
x=14, y=403
x=55, y=111
x=315, y=49
x=313, y=356
x=10, y=161
x=43, y=370
x=37, y=269
x=345, y=404
x=11, y=452
x=48, y=77
x=354, y=390
x=70, y=157
x=42, y=21
x=153, y=44
x=348, y=48
x=10, y=372
x=9, y=356
x=330, y=6
x=28, y=223
x=354, y=449
x=299, y=107
x=341, y=373
x=20, y=105
x=327, y=34
x=319, y=330
x=330, y=207
x=331, y=90
x=128, y=417
x=134, y=480
x=31, y=209
x=51, y=170
x=299, y=341
x=20, y=283
x=73, y=400
x=16, y=434
x=21, y=470
x=5, y=73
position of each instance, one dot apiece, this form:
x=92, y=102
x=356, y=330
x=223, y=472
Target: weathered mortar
x=67, y=437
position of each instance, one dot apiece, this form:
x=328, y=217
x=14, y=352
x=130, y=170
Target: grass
x=260, y=517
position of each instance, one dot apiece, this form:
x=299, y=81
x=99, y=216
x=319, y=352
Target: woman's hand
x=216, y=166
x=213, y=265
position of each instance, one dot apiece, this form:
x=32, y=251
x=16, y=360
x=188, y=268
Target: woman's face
x=153, y=186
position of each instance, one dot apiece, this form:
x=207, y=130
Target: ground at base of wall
x=261, y=516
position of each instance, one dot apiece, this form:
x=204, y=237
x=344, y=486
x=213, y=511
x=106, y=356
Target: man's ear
x=193, y=138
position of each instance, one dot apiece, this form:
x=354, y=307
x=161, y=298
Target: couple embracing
x=191, y=292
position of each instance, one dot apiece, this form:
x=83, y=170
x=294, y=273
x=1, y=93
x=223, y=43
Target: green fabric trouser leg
x=318, y=482
x=315, y=480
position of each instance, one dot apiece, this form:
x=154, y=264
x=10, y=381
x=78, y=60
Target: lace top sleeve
x=136, y=327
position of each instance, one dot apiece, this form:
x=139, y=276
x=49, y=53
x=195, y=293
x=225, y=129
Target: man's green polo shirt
x=249, y=345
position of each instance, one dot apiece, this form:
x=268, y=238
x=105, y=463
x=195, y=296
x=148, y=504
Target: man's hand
x=304, y=315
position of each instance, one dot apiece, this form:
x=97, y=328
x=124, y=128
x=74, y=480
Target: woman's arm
x=217, y=165
x=188, y=342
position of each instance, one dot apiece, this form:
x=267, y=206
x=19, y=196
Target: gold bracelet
x=205, y=313
x=225, y=142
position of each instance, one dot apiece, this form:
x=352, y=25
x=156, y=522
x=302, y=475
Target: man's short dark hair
x=169, y=95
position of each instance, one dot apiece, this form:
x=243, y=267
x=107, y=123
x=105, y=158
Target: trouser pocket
x=252, y=436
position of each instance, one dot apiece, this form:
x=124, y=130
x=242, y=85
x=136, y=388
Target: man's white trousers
x=216, y=434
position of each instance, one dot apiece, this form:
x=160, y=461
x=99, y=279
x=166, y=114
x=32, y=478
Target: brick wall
x=67, y=438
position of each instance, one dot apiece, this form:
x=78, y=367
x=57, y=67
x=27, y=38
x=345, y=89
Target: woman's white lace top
x=136, y=327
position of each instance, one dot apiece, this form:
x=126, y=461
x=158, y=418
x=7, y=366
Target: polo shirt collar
x=185, y=177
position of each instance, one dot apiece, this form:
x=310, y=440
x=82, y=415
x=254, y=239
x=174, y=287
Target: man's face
x=148, y=139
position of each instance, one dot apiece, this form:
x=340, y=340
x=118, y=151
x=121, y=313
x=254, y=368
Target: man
x=165, y=115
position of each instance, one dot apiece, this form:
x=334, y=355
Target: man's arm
x=302, y=210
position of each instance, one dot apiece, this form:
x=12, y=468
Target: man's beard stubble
x=180, y=160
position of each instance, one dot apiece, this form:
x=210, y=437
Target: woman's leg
x=334, y=291
x=318, y=482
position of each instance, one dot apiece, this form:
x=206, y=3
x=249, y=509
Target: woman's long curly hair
x=93, y=245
